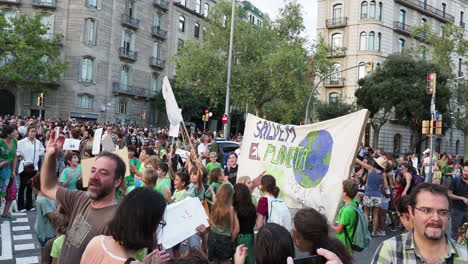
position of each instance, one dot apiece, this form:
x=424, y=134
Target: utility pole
x=229, y=75
x=431, y=88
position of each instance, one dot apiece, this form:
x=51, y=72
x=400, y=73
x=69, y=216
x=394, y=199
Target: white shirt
x=202, y=148
x=26, y=148
x=427, y=160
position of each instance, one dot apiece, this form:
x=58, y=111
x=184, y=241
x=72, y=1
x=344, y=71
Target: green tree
x=399, y=87
x=332, y=110
x=28, y=59
x=269, y=62
x=450, y=41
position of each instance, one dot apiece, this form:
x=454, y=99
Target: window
x=402, y=18
x=128, y=41
x=183, y=2
x=397, y=143
x=196, y=30
x=457, y=147
x=48, y=22
x=206, y=10
x=461, y=19
x=259, y=23
x=155, y=87
x=423, y=52
x=198, y=6
x=371, y=40
x=361, y=70
x=423, y=21
x=336, y=41
x=157, y=50
x=379, y=41
x=130, y=8
x=122, y=106
x=362, y=41
x=337, y=9
x=336, y=76
x=85, y=101
x=182, y=24
x=90, y=31
x=444, y=9
x=125, y=76
x=442, y=31
x=372, y=10
x=401, y=45
x=34, y=96
x=379, y=11
x=87, y=70
x=424, y=4
x=158, y=20
x=96, y=4
x=364, y=10
x=333, y=98
x=460, y=63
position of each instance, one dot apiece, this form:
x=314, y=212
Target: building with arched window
x=371, y=30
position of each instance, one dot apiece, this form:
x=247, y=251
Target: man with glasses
x=429, y=211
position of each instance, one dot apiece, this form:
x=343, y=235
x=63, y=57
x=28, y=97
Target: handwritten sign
x=71, y=144
x=87, y=164
x=97, y=141
x=191, y=213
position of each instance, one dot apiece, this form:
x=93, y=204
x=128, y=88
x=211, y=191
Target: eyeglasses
x=430, y=211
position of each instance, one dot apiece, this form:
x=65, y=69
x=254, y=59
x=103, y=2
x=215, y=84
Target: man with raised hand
x=89, y=211
x=429, y=211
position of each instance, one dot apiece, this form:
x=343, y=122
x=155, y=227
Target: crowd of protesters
x=116, y=218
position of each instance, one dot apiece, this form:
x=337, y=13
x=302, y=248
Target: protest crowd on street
x=94, y=205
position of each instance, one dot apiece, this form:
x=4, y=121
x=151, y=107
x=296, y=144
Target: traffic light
x=425, y=127
x=431, y=83
x=40, y=100
x=370, y=66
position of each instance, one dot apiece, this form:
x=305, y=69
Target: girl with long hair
x=246, y=215
x=224, y=226
x=269, y=189
x=310, y=232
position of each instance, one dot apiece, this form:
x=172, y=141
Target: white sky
x=309, y=8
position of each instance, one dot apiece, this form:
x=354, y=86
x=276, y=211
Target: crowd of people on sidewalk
x=116, y=217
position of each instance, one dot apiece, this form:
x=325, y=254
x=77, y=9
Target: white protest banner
x=71, y=144
x=182, y=219
x=174, y=114
x=97, y=141
x=309, y=162
x=107, y=143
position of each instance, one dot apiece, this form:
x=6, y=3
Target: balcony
x=121, y=88
x=402, y=28
x=45, y=3
x=128, y=54
x=334, y=82
x=337, y=52
x=156, y=31
x=337, y=22
x=158, y=63
x=164, y=5
x=428, y=10
x=11, y=2
x=130, y=21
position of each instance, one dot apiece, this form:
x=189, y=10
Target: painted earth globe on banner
x=319, y=145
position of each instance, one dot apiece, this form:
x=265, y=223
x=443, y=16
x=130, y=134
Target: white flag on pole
x=172, y=109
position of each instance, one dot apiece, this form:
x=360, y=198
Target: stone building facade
x=117, y=51
x=361, y=31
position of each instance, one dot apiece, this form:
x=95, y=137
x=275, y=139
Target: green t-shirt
x=42, y=226
x=57, y=246
x=142, y=168
x=215, y=186
x=179, y=195
x=348, y=218
x=211, y=166
x=130, y=180
x=161, y=185
x=66, y=173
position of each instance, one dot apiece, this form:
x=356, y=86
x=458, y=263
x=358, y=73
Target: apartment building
x=361, y=31
x=118, y=52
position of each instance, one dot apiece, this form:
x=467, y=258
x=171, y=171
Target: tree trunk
x=257, y=111
x=375, y=138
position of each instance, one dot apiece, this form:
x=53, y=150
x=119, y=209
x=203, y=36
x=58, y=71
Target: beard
x=100, y=191
x=434, y=235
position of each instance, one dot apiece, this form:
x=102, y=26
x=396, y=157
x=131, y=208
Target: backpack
x=279, y=213
x=362, y=236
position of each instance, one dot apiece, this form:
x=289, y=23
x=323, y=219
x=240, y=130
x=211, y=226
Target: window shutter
x=123, y=39
x=132, y=42
x=95, y=30
x=94, y=71
x=82, y=69
x=98, y=3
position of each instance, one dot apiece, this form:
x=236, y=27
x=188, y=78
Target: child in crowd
x=72, y=173
x=45, y=209
x=213, y=163
x=246, y=214
x=150, y=177
x=437, y=175
x=133, y=161
x=163, y=184
x=224, y=226
x=196, y=188
x=270, y=190
x=216, y=179
x=60, y=223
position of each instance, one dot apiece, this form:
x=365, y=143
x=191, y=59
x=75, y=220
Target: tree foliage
x=28, y=58
x=333, y=110
x=399, y=87
x=269, y=62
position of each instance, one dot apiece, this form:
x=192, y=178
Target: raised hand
x=55, y=145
